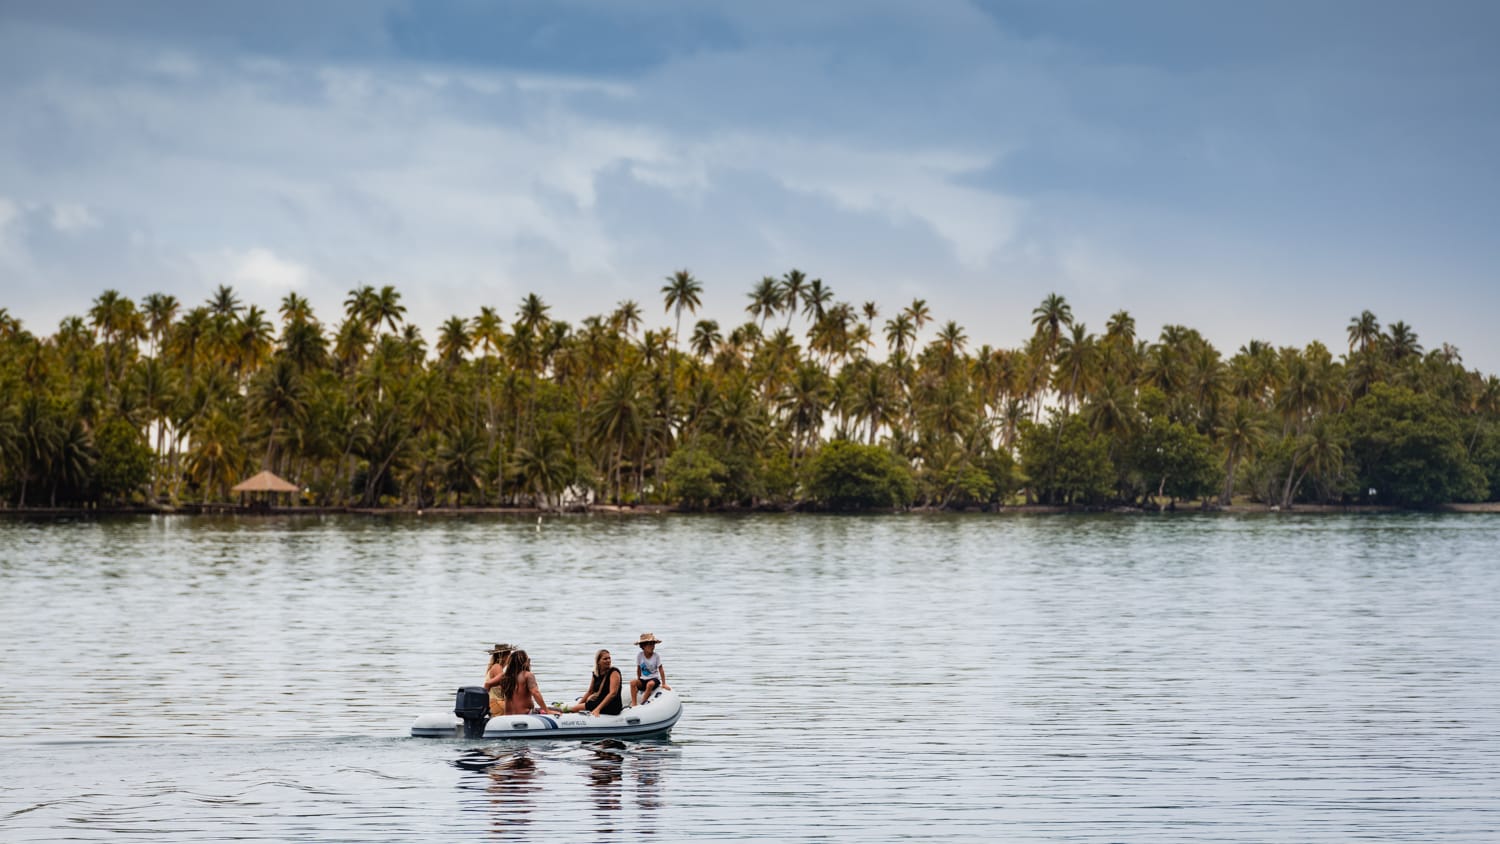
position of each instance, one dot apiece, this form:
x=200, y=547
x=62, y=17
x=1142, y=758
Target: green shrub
x=844, y=475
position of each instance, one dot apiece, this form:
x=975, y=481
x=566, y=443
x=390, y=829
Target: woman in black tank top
x=603, y=696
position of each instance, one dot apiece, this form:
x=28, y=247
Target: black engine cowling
x=473, y=706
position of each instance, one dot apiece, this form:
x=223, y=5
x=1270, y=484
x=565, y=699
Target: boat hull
x=654, y=717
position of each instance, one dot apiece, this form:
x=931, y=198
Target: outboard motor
x=473, y=706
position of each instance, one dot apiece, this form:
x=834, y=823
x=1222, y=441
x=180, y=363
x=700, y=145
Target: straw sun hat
x=648, y=639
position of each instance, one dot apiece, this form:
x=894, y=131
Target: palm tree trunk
x=1231, y=464
x=1291, y=483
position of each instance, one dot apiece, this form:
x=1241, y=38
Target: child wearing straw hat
x=648, y=671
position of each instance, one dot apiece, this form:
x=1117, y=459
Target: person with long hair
x=518, y=687
x=499, y=656
x=603, y=695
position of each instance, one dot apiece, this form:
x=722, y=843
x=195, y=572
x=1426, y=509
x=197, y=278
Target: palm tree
x=1206, y=381
x=532, y=315
x=254, y=341
x=1049, y=318
x=815, y=300
x=295, y=309
x=217, y=457
x=619, y=420
x=1077, y=360
x=454, y=341
x=950, y=343
x=160, y=309
x=830, y=335
x=224, y=304
x=765, y=300
x=386, y=308
x=1401, y=343
x=1110, y=408
x=412, y=344
x=159, y=389
x=1364, y=331
x=278, y=396
x=303, y=344
x=947, y=409
x=793, y=289
x=115, y=318
x=351, y=345
x=1242, y=432
x=71, y=465
x=1318, y=452
x=544, y=467
x=488, y=331
x=706, y=338
x=873, y=401
x=1120, y=328
x=900, y=333
x=803, y=402
x=626, y=318
x=36, y=440
x=919, y=314
x=739, y=420
x=10, y=327
x=681, y=292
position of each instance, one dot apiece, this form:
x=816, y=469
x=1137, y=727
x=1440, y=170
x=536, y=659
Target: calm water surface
x=1096, y=679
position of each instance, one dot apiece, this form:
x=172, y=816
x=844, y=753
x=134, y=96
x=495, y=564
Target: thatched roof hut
x=267, y=484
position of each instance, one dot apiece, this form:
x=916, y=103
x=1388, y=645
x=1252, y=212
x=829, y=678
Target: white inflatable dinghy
x=471, y=719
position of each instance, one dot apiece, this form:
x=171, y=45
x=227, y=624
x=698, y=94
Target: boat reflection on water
x=649, y=762
x=626, y=781
x=606, y=771
x=643, y=763
x=511, y=781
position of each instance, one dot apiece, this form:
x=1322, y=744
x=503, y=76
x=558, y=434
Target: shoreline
x=661, y=509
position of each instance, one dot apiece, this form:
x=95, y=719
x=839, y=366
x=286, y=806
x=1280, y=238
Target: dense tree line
x=811, y=400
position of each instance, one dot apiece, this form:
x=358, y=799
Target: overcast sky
x=1258, y=170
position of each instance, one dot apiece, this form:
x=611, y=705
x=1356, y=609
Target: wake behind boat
x=471, y=719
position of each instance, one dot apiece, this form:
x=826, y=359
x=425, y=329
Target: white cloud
x=258, y=269
x=71, y=217
x=903, y=186
x=466, y=186
x=176, y=65
x=1097, y=271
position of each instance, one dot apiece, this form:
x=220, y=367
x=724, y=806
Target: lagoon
x=1088, y=678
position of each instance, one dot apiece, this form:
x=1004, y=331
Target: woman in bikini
x=518, y=687
x=499, y=655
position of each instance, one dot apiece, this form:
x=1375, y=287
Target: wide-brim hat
x=501, y=648
x=648, y=639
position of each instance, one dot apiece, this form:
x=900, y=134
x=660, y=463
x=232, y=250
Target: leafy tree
x=1407, y=447
x=124, y=462
x=1065, y=462
x=1486, y=456
x=844, y=476
x=968, y=481
x=695, y=477
x=365, y=412
x=1176, y=461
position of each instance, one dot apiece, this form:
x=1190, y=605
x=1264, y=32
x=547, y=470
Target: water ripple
x=1087, y=679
